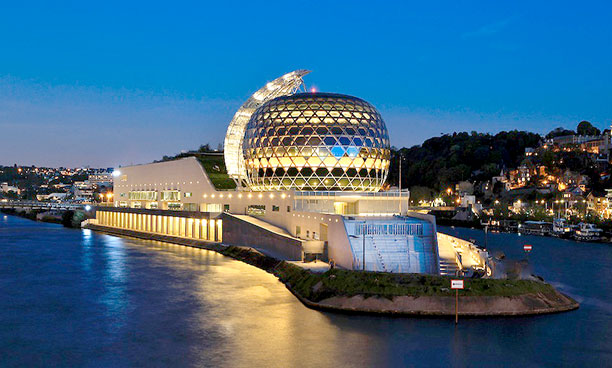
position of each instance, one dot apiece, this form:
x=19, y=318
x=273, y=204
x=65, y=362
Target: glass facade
x=316, y=141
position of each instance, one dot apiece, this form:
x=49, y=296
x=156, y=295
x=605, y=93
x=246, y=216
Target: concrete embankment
x=391, y=294
x=475, y=306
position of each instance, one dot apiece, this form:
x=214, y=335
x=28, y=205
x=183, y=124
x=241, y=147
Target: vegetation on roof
x=215, y=169
x=213, y=163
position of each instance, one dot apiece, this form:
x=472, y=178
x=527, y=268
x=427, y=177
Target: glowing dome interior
x=316, y=141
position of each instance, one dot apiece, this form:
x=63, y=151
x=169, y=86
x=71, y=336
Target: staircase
x=448, y=267
x=388, y=250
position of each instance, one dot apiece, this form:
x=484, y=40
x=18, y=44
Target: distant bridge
x=37, y=205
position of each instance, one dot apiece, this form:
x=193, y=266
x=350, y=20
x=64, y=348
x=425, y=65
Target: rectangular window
x=188, y=194
x=123, y=204
x=226, y=208
x=170, y=195
x=298, y=231
x=211, y=207
x=174, y=206
x=256, y=210
x=288, y=208
x=275, y=208
x=142, y=195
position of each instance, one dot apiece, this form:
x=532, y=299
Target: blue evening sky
x=109, y=83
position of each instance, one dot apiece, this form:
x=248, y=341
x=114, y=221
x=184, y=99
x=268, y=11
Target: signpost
x=456, y=285
x=527, y=248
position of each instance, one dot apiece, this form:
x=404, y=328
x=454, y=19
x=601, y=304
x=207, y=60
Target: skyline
x=111, y=82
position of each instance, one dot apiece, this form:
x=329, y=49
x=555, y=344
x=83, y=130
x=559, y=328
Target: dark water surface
x=79, y=298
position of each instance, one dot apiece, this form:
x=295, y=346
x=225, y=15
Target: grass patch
x=316, y=287
x=214, y=165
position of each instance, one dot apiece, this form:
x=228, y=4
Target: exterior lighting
x=87, y=208
x=331, y=153
x=116, y=173
x=283, y=196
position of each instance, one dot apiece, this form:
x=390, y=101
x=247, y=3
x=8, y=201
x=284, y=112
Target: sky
x=117, y=83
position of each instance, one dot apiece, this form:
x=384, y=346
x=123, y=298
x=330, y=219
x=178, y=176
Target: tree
x=559, y=132
x=586, y=128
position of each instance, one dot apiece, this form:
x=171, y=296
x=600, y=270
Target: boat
x=535, y=228
x=561, y=228
x=588, y=232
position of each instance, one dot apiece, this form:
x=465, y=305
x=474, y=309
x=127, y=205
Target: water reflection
x=76, y=298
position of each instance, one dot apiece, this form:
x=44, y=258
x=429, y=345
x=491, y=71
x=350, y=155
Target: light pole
x=363, y=233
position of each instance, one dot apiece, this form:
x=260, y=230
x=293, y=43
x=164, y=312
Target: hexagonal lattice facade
x=316, y=141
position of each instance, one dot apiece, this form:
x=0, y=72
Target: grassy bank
x=316, y=287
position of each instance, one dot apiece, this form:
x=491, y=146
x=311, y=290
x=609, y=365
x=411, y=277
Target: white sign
x=456, y=284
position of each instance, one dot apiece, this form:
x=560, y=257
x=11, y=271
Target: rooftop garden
x=212, y=162
x=214, y=165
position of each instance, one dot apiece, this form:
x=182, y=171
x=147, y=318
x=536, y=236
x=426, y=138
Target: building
x=598, y=204
x=6, y=188
x=300, y=178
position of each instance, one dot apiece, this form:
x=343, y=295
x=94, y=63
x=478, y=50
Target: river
x=79, y=298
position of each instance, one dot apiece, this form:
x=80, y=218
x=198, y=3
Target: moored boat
x=588, y=232
x=535, y=228
x=561, y=228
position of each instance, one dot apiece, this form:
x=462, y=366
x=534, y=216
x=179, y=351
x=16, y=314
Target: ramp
x=248, y=231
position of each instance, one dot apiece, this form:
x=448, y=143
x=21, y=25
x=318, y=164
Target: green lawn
x=316, y=287
x=214, y=165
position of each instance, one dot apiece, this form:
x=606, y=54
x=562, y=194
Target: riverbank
x=382, y=293
x=515, y=229
x=34, y=215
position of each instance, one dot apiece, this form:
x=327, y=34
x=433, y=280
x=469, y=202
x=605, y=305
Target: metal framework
x=286, y=85
x=316, y=141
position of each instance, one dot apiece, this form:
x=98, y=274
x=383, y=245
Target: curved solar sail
x=286, y=85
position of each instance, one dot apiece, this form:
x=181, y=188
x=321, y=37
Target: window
x=298, y=231
x=188, y=194
x=174, y=206
x=226, y=208
x=288, y=208
x=211, y=207
x=170, y=195
x=307, y=233
x=275, y=208
x=142, y=195
x=256, y=210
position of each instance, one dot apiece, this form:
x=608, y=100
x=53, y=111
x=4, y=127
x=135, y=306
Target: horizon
x=103, y=87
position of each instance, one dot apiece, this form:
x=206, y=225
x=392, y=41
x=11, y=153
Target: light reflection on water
x=79, y=298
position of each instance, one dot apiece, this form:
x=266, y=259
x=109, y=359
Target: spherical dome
x=316, y=141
